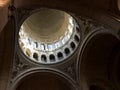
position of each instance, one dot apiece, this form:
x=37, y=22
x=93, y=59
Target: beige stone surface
x=41, y=25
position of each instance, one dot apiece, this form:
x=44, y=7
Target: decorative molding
x=18, y=66
x=70, y=70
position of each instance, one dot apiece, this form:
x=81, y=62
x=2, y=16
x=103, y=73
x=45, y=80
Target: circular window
x=49, y=36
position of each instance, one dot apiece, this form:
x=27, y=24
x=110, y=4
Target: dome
x=46, y=32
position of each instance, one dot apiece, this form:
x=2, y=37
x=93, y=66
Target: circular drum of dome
x=49, y=36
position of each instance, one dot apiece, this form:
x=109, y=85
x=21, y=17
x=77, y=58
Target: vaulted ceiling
x=69, y=5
